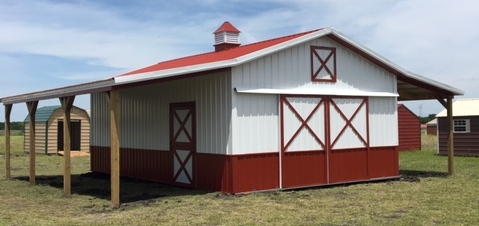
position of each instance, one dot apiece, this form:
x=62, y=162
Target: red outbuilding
x=409, y=129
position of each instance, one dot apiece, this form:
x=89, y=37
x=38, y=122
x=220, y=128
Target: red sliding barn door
x=323, y=140
x=349, y=139
x=183, y=143
x=303, y=141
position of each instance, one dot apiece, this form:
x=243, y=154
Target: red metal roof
x=212, y=57
x=226, y=26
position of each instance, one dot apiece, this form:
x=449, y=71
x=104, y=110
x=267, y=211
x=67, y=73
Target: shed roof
x=463, y=107
x=43, y=113
x=226, y=27
x=432, y=122
x=402, y=106
x=410, y=86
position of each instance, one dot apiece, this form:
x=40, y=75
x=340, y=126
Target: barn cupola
x=226, y=37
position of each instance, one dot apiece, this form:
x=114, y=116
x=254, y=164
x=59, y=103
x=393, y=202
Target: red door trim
x=182, y=125
x=317, y=57
x=183, y=167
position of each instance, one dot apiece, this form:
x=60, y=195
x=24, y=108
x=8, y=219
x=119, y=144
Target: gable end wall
x=255, y=117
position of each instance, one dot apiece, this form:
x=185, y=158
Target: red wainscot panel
x=383, y=162
x=152, y=165
x=348, y=165
x=149, y=165
x=303, y=169
x=254, y=172
x=213, y=172
x=237, y=173
x=100, y=159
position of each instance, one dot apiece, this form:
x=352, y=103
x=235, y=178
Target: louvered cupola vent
x=226, y=37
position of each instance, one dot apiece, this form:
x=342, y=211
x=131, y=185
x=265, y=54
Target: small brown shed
x=465, y=128
x=49, y=130
x=431, y=128
x=409, y=127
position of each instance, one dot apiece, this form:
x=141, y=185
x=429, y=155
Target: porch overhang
x=85, y=88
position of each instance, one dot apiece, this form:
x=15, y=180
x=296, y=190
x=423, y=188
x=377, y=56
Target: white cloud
x=77, y=31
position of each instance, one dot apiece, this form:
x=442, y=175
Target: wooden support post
x=32, y=110
x=450, y=136
x=114, y=100
x=67, y=104
x=8, y=110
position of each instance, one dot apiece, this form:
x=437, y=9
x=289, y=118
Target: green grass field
x=423, y=196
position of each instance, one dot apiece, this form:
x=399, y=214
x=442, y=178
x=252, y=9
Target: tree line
x=13, y=126
x=426, y=119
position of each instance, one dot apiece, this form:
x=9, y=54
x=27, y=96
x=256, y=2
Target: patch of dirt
x=422, y=174
x=393, y=216
x=93, y=175
x=409, y=178
x=145, y=199
x=97, y=192
x=223, y=196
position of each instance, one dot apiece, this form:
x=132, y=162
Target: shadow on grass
x=131, y=190
x=415, y=175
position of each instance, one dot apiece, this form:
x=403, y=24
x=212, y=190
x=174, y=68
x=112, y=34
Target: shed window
x=461, y=126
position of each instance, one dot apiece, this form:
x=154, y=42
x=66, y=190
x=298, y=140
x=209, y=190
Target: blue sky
x=47, y=44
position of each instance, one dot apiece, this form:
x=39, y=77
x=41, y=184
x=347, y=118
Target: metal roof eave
x=85, y=88
x=431, y=82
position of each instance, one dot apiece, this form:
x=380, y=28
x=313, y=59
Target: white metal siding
x=312, y=115
x=383, y=122
x=256, y=123
x=342, y=134
x=291, y=69
x=100, y=120
x=145, y=113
